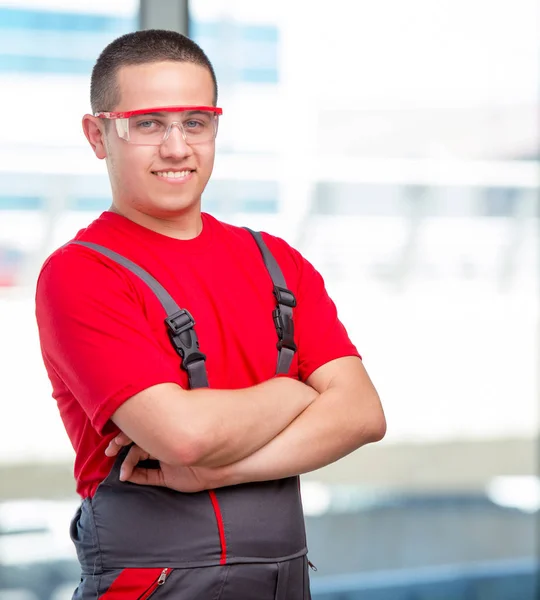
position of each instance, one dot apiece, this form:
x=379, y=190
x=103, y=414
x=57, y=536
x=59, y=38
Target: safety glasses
x=152, y=126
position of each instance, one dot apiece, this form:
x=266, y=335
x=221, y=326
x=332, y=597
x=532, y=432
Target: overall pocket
x=155, y=585
x=133, y=584
x=201, y=583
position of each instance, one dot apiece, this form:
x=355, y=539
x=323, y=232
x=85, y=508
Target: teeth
x=173, y=174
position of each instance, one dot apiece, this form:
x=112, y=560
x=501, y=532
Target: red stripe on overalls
x=132, y=583
x=221, y=528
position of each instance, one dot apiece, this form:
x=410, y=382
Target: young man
x=189, y=475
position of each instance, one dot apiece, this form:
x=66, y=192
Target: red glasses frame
x=145, y=111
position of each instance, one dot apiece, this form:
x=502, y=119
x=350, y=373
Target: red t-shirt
x=102, y=330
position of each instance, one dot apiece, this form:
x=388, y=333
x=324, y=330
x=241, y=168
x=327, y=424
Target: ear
x=94, y=131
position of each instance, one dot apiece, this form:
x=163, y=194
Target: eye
x=147, y=124
x=194, y=124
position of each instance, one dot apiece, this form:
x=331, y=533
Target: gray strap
x=163, y=295
x=179, y=321
x=271, y=263
x=283, y=313
x=285, y=358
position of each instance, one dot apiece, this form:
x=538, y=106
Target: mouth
x=174, y=174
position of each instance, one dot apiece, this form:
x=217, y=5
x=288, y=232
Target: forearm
x=211, y=427
x=326, y=431
x=240, y=422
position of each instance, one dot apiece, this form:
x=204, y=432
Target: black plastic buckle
x=284, y=296
x=180, y=327
x=285, y=329
x=180, y=322
x=191, y=357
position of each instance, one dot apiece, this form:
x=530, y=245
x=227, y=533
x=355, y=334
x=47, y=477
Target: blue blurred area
x=53, y=41
x=512, y=580
x=239, y=52
x=30, y=19
x=43, y=41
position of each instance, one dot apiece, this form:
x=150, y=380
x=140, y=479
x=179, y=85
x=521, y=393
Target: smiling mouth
x=173, y=174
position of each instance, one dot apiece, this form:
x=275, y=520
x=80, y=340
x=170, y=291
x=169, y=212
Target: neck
x=183, y=226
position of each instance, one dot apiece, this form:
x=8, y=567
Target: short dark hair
x=137, y=48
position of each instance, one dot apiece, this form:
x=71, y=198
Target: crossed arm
x=277, y=429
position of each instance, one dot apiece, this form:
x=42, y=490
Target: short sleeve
x=94, y=333
x=320, y=334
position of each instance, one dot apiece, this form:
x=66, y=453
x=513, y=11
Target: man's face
x=134, y=169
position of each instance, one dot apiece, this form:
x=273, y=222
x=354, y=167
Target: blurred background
x=411, y=182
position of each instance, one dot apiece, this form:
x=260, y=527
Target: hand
x=181, y=479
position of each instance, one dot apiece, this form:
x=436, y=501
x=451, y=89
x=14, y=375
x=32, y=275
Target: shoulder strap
x=285, y=302
x=179, y=322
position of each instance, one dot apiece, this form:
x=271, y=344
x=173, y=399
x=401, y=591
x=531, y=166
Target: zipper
x=157, y=583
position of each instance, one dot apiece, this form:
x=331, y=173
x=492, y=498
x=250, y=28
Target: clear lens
x=197, y=127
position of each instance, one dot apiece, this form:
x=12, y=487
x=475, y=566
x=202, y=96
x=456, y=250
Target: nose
x=174, y=145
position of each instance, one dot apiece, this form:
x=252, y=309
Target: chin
x=168, y=207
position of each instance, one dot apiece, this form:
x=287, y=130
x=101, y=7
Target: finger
x=116, y=444
x=130, y=462
x=146, y=477
x=112, y=449
x=122, y=439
